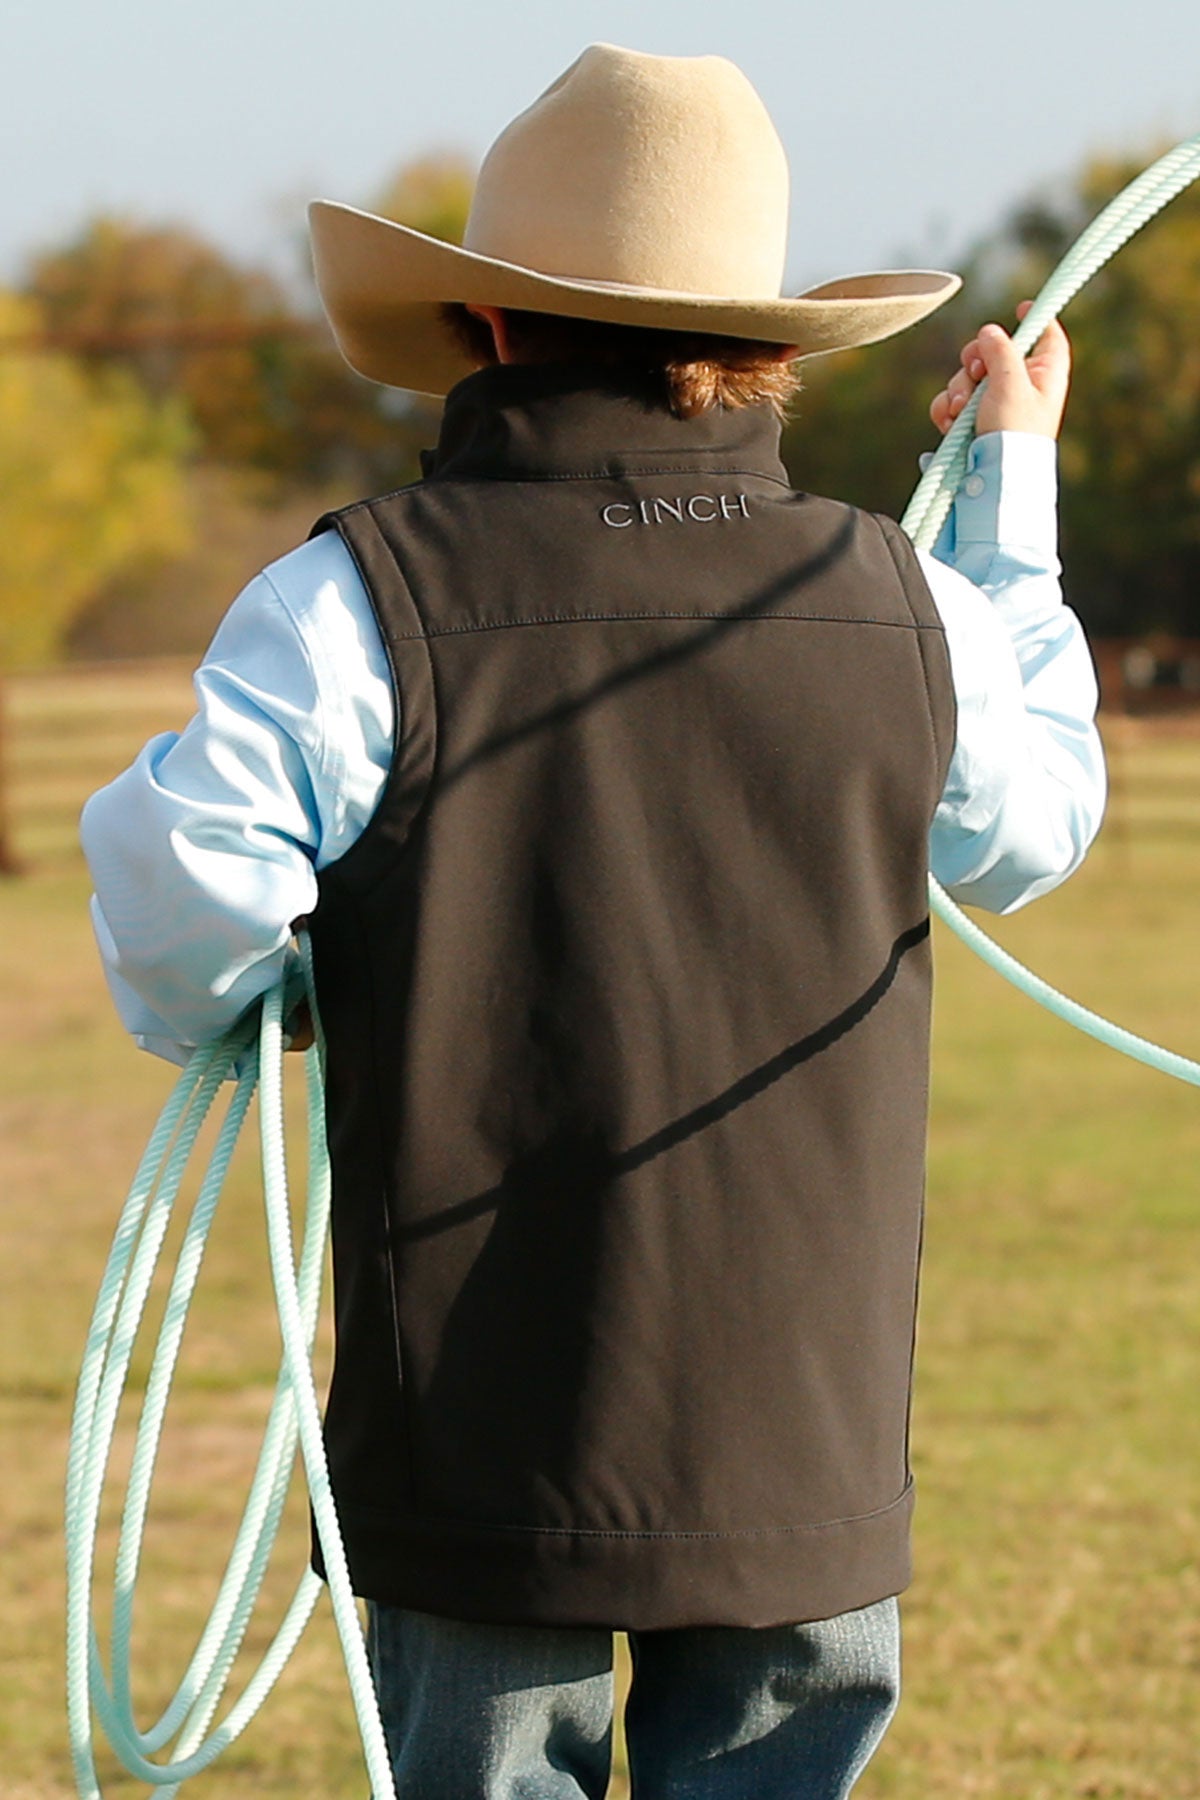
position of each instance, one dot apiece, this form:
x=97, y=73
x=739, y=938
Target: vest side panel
x=935, y=653
x=365, y=1408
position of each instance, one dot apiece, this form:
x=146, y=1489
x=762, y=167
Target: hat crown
x=637, y=190
x=648, y=171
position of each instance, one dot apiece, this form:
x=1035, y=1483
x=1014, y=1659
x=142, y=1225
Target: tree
x=90, y=484
x=1131, y=448
x=432, y=194
x=360, y=434
x=186, y=321
x=254, y=366
x=1130, y=458
x=862, y=419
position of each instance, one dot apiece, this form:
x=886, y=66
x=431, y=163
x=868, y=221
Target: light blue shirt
x=207, y=848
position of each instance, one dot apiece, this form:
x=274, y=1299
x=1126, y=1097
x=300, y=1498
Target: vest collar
x=522, y=423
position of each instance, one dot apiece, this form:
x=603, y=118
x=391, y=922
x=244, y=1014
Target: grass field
x=1053, y=1631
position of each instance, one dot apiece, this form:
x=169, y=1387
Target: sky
x=912, y=129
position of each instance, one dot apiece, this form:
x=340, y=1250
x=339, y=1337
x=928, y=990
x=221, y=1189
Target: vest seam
x=383, y=1196
x=387, y=636
x=902, y=579
x=577, y=618
x=328, y=520
x=916, y=1306
x=532, y=479
x=387, y=809
x=394, y=771
x=450, y=1522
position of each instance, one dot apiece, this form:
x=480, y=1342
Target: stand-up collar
x=524, y=423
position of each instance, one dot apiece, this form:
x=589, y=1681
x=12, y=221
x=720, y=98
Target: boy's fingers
x=1024, y=396
x=971, y=360
x=1004, y=363
x=1054, y=344
x=1020, y=395
x=1049, y=365
x=946, y=406
x=991, y=354
x=299, y=1028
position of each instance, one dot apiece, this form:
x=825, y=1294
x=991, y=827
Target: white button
x=973, y=486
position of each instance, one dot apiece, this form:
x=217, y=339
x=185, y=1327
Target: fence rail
x=71, y=729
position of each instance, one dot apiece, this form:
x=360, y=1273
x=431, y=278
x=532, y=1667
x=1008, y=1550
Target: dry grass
x=1053, y=1651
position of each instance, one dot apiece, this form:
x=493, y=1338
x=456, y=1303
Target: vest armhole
x=930, y=636
x=414, y=751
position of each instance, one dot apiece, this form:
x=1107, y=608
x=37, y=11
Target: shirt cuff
x=1009, y=495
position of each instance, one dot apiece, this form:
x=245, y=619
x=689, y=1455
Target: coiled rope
x=252, y=1053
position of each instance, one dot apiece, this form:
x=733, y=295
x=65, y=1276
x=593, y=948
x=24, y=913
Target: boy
x=609, y=771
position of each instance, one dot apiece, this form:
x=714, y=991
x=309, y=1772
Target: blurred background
x=172, y=411
x=173, y=415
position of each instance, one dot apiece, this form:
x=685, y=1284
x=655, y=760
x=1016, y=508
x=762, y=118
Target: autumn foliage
x=1130, y=454
x=91, y=481
x=167, y=415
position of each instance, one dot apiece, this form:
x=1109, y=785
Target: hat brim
x=382, y=284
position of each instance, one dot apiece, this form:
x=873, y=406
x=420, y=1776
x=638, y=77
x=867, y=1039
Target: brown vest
x=626, y=990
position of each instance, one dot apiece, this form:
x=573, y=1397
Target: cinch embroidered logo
x=700, y=508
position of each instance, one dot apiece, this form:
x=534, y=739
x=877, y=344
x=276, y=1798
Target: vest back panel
x=626, y=994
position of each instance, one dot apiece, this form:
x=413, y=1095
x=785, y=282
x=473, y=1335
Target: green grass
x=1053, y=1630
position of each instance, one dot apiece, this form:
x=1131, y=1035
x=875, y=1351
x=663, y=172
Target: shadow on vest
x=503, y=1425
x=759, y=605
x=541, y=1172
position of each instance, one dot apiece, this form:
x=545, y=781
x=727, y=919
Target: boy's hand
x=298, y=1028
x=1023, y=393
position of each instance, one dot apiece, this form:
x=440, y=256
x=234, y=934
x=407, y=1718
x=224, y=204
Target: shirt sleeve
x=207, y=848
x=1025, y=791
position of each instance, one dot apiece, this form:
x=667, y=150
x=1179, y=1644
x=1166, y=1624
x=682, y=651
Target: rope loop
x=251, y=1055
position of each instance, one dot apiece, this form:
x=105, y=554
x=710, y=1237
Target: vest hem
x=627, y=1580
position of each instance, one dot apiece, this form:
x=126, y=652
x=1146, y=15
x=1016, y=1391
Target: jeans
x=523, y=1712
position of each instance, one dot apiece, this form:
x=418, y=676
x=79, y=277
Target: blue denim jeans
x=522, y=1712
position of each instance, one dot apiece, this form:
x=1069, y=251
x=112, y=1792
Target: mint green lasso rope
x=1134, y=207
x=294, y=1416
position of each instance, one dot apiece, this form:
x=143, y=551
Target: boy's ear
x=494, y=316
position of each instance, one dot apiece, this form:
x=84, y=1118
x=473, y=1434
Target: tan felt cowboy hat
x=641, y=190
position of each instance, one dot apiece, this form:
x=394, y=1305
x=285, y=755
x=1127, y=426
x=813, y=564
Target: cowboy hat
x=637, y=190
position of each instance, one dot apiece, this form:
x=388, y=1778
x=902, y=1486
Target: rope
x=926, y=513
x=294, y=1418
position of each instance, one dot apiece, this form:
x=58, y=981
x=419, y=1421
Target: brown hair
x=697, y=370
